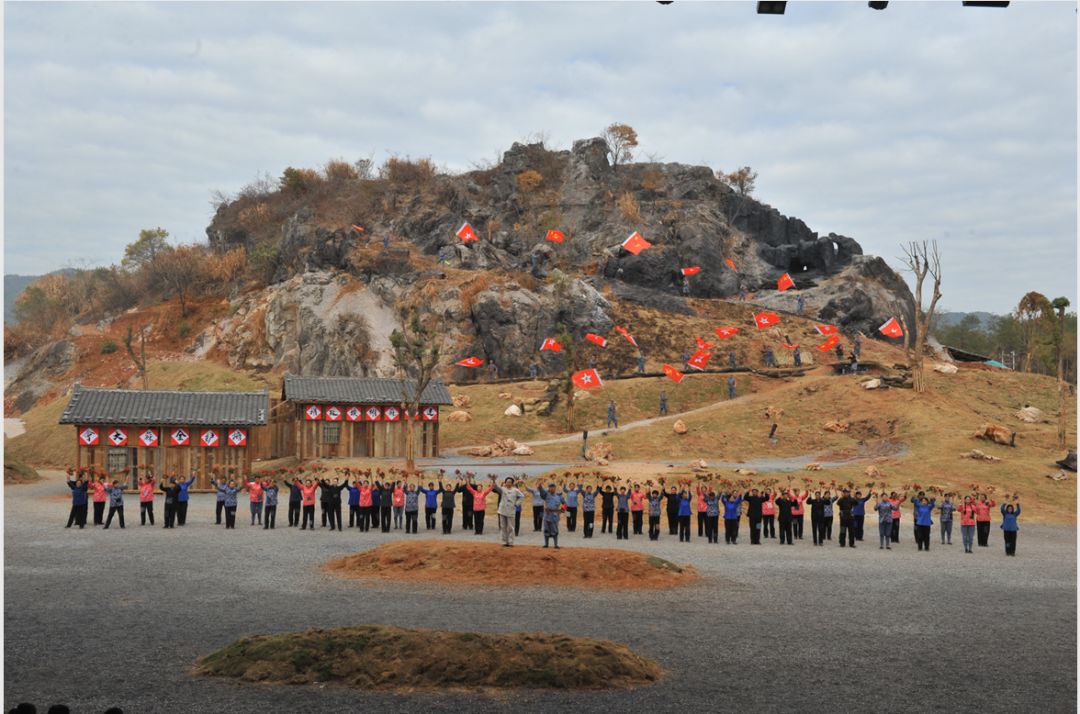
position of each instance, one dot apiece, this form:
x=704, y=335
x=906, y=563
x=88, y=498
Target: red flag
x=626, y=333
x=891, y=328
x=635, y=243
x=551, y=344
x=89, y=436
x=358, y=229
x=596, y=339
x=826, y=329
x=148, y=438
x=555, y=236
x=703, y=345
x=587, y=379
x=237, y=437
x=313, y=412
x=673, y=374
x=828, y=344
x=730, y=264
x=726, y=332
x=692, y=271
x=209, y=438
x=766, y=319
x=466, y=233
x=179, y=437
x=699, y=359
x=118, y=436
x=790, y=347
x=784, y=282
x=470, y=362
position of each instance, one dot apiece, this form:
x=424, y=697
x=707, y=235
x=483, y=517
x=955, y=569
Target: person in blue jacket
x=431, y=504
x=732, y=513
x=684, y=516
x=270, y=494
x=924, y=509
x=182, y=500
x=220, y=507
x=116, y=503
x=571, y=493
x=230, y=490
x=294, y=504
x=354, y=503
x=78, y=502
x=946, y=509
x=858, y=513
x=1009, y=514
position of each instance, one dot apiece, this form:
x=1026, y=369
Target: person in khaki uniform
x=509, y=498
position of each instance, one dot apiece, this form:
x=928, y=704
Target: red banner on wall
x=238, y=437
x=118, y=436
x=210, y=438
x=354, y=413
x=312, y=412
x=333, y=414
x=148, y=438
x=89, y=436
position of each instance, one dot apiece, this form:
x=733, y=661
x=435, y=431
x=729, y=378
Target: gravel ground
x=96, y=619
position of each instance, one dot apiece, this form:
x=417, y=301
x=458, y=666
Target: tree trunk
x=410, y=452
x=1061, y=379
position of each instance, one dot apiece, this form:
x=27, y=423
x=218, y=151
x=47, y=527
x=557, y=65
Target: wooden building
x=329, y=417
x=124, y=431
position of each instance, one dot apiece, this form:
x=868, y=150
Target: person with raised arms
x=270, y=494
x=510, y=499
x=1009, y=528
x=230, y=490
x=77, y=515
x=182, y=500
x=479, y=506
x=732, y=514
x=554, y=502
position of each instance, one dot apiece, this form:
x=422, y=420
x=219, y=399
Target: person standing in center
x=431, y=504
x=466, y=505
x=78, y=502
x=479, y=506
x=858, y=514
x=655, y=509
x=885, y=511
x=146, y=499
x=171, y=490
x=571, y=494
x=785, y=506
x=116, y=503
x=622, y=530
x=637, y=508
x=967, y=524
x=537, y=507
x=612, y=418
x=672, y=499
x=449, y=495
x=684, y=516
x=982, y=519
x=553, y=503
x=182, y=500
x=412, y=508
x=255, y=492
x=294, y=504
x=270, y=492
x=1009, y=528
x=230, y=489
x=588, y=512
x=399, y=504
x=923, y=521
x=509, y=500
x=847, y=504
x=797, y=515
x=732, y=514
x=307, y=500
x=712, y=516
x=100, y=496
x=607, y=509
x=754, y=503
x=946, y=509
x=768, y=514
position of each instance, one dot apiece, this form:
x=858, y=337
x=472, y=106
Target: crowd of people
x=623, y=508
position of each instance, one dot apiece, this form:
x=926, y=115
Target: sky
x=924, y=121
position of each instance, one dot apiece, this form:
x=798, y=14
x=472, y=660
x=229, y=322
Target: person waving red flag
x=470, y=362
x=635, y=243
x=766, y=319
x=626, y=333
x=596, y=339
x=828, y=344
x=466, y=233
x=726, y=332
x=891, y=328
x=694, y=270
x=699, y=359
x=673, y=374
x=784, y=283
x=555, y=236
x=826, y=329
x=587, y=379
x=551, y=344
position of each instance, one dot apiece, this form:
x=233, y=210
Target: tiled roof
x=126, y=406
x=358, y=390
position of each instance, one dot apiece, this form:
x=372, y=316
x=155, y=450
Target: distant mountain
x=13, y=288
x=948, y=319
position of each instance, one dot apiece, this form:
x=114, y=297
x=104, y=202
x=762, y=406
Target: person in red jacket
x=366, y=502
x=637, y=508
x=982, y=519
x=255, y=491
x=479, y=506
x=967, y=523
x=797, y=515
x=146, y=499
x=896, y=500
x=100, y=496
x=768, y=514
x=307, y=496
x=702, y=510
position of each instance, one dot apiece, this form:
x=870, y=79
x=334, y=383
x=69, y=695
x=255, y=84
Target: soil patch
x=378, y=657
x=492, y=564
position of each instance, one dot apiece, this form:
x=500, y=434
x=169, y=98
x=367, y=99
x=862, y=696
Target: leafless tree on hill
x=416, y=356
x=923, y=260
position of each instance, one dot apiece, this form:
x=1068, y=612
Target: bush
x=108, y=347
x=629, y=208
x=263, y=261
x=529, y=180
x=339, y=171
x=183, y=329
x=407, y=171
x=298, y=181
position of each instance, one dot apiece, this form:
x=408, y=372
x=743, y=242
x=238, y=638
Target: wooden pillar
x=435, y=439
x=78, y=451
x=296, y=430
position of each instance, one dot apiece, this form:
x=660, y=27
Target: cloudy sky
x=925, y=121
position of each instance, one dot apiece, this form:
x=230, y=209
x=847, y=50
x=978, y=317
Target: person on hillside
x=607, y=509
x=354, y=502
x=770, y=358
x=840, y=355
x=712, y=516
x=588, y=512
x=398, y=501
x=685, y=287
x=510, y=498
x=294, y=505
x=702, y=511
x=885, y=509
x=685, y=358
x=800, y=305
x=330, y=498
x=754, y=502
x=571, y=492
x=641, y=363
x=856, y=345
x=98, y=488
x=797, y=356
x=684, y=516
x=655, y=499
x=946, y=510
x=847, y=504
x=146, y=499
x=858, y=514
x=637, y=508
x=584, y=444
x=431, y=505
x=116, y=503
x=412, y=508
x=853, y=364
x=307, y=502
x=732, y=358
x=534, y=371
x=768, y=514
x=982, y=519
x=732, y=514
x=255, y=494
x=230, y=490
x=612, y=418
x=622, y=529
x=663, y=402
x=493, y=370
x=798, y=515
x=79, y=490
x=967, y=523
x=1009, y=528
x=785, y=508
x=182, y=500
x=171, y=491
x=553, y=503
x=817, y=510
x=827, y=515
x=924, y=509
x=730, y=387
x=479, y=506
x=270, y=494
x=672, y=502
x=895, y=501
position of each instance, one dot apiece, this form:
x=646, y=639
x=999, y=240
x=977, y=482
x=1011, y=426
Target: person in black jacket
x=330, y=496
x=784, y=504
x=447, y=504
x=817, y=514
x=607, y=509
x=372, y=512
x=672, y=497
x=172, y=493
x=386, y=504
x=466, y=508
x=847, y=522
x=294, y=504
x=753, y=512
x=78, y=502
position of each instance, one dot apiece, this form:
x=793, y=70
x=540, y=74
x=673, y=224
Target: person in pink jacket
x=255, y=491
x=399, y=504
x=367, y=518
x=797, y=514
x=982, y=519
x=702, y=508
x=146, y=499
x=768, y=514
x=637, y=508
x=100, y=496
x=479, y=506
x=307, y=495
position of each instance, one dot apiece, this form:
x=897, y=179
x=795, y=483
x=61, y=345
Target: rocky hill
x=328, y=295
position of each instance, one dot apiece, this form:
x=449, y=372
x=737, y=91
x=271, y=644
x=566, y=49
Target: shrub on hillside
x=338, y=171
x=629, y=208
x=108, y=347
x=529, y=180
x=297, y=182
x=398, y=170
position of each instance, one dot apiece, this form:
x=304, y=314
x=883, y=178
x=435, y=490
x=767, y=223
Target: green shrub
x=183, y=329
x=108, y=347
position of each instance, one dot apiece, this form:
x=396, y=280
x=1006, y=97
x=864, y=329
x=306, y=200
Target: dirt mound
x=377, y=657
x=16, y=472
x=491, y=564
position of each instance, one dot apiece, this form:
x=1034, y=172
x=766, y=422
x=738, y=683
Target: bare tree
x=621, y=140
x=138, y=359
x=742, y=182
x=416, y=356
x=1060, y=304
x=181, y=269
x=922, y=259
x=1035, y=315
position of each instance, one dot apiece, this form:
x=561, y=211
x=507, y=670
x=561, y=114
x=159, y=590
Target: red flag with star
x=673, y=374
x=828, y=344
x=703, y=345
x=551, y=344
x=466, y=233
x=790, y=347
x=358, y=229
x=730, y=264
x=693, y=270
x=587, y=379
x=699, y=359
x=596, y=339
x=891, y=328
x=766, y=319
x=784, y=283
x=555, y=236
x=635, y=243
x=725, y=332
x=470, y=362
x=826, y=329
x=626, y=333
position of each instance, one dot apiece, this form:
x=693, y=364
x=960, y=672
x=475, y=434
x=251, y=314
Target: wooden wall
x=293, y=435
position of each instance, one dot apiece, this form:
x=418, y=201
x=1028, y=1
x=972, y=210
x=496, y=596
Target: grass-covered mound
x=379, y=657
x=491, y=564
x=17, y=472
